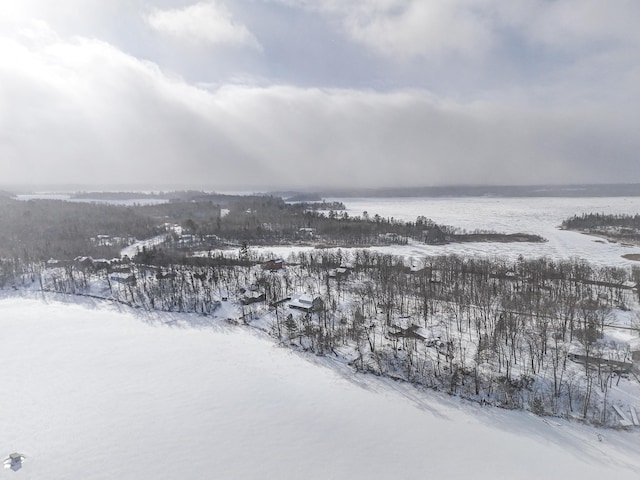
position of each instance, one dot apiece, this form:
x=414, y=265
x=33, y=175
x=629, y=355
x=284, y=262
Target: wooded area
x=524, y=334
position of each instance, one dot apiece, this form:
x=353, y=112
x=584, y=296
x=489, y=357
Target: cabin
x=340, y=272
x=273, y=265
x=307, y=303
x=414, y=331
x=307, y=231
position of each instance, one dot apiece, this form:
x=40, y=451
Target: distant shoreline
x=489, y=191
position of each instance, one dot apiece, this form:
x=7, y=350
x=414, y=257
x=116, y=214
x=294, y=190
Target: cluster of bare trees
x=524, y=334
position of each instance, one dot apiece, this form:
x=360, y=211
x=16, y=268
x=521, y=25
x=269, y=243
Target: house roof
x=303, y=301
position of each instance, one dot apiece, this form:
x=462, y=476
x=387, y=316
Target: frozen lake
x=540, y=215
x=91, y=392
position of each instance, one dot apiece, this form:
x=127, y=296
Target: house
x=414, y=331
x=273, y=264
x=307, y=303
x=340, y=272
x=307, y=231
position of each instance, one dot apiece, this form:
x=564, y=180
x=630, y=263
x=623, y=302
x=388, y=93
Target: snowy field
x=94, y=392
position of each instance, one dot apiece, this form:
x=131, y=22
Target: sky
x=314, y=94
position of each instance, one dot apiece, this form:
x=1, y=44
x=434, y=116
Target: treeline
x=595, y=221
x=43, y=229
x=269, y=220
x=321, y=205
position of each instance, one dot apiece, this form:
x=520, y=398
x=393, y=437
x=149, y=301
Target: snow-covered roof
x=303, y=301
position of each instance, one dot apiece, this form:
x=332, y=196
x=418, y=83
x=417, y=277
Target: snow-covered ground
x=541, y=216
x=136, y=247
x=91, y=391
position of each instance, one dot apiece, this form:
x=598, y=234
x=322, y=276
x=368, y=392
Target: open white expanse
x=540, y=215
x=94, y=392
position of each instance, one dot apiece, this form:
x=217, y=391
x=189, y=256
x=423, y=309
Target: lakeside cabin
x=306, y=303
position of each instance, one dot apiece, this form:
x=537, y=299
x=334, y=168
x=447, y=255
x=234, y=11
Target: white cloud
x=571, y=24
x=84, y=111
x=410, y=28
x=203, y=23
x=418, y=27
x=432, y=28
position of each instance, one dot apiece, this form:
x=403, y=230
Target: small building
x=307, y=303
x=413, y=331
x=14, y=461
x=273, y=265
x=307, y=231
x=340, y=272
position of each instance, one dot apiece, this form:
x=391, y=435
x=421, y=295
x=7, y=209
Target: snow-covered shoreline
x=103, y=394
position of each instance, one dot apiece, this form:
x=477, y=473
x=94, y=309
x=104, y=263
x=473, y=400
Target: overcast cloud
x=295, y=93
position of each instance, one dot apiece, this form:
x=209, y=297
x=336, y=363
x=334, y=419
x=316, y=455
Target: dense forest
x=43, y=229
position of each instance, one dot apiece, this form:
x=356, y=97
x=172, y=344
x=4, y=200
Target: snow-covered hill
x=100, y=393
